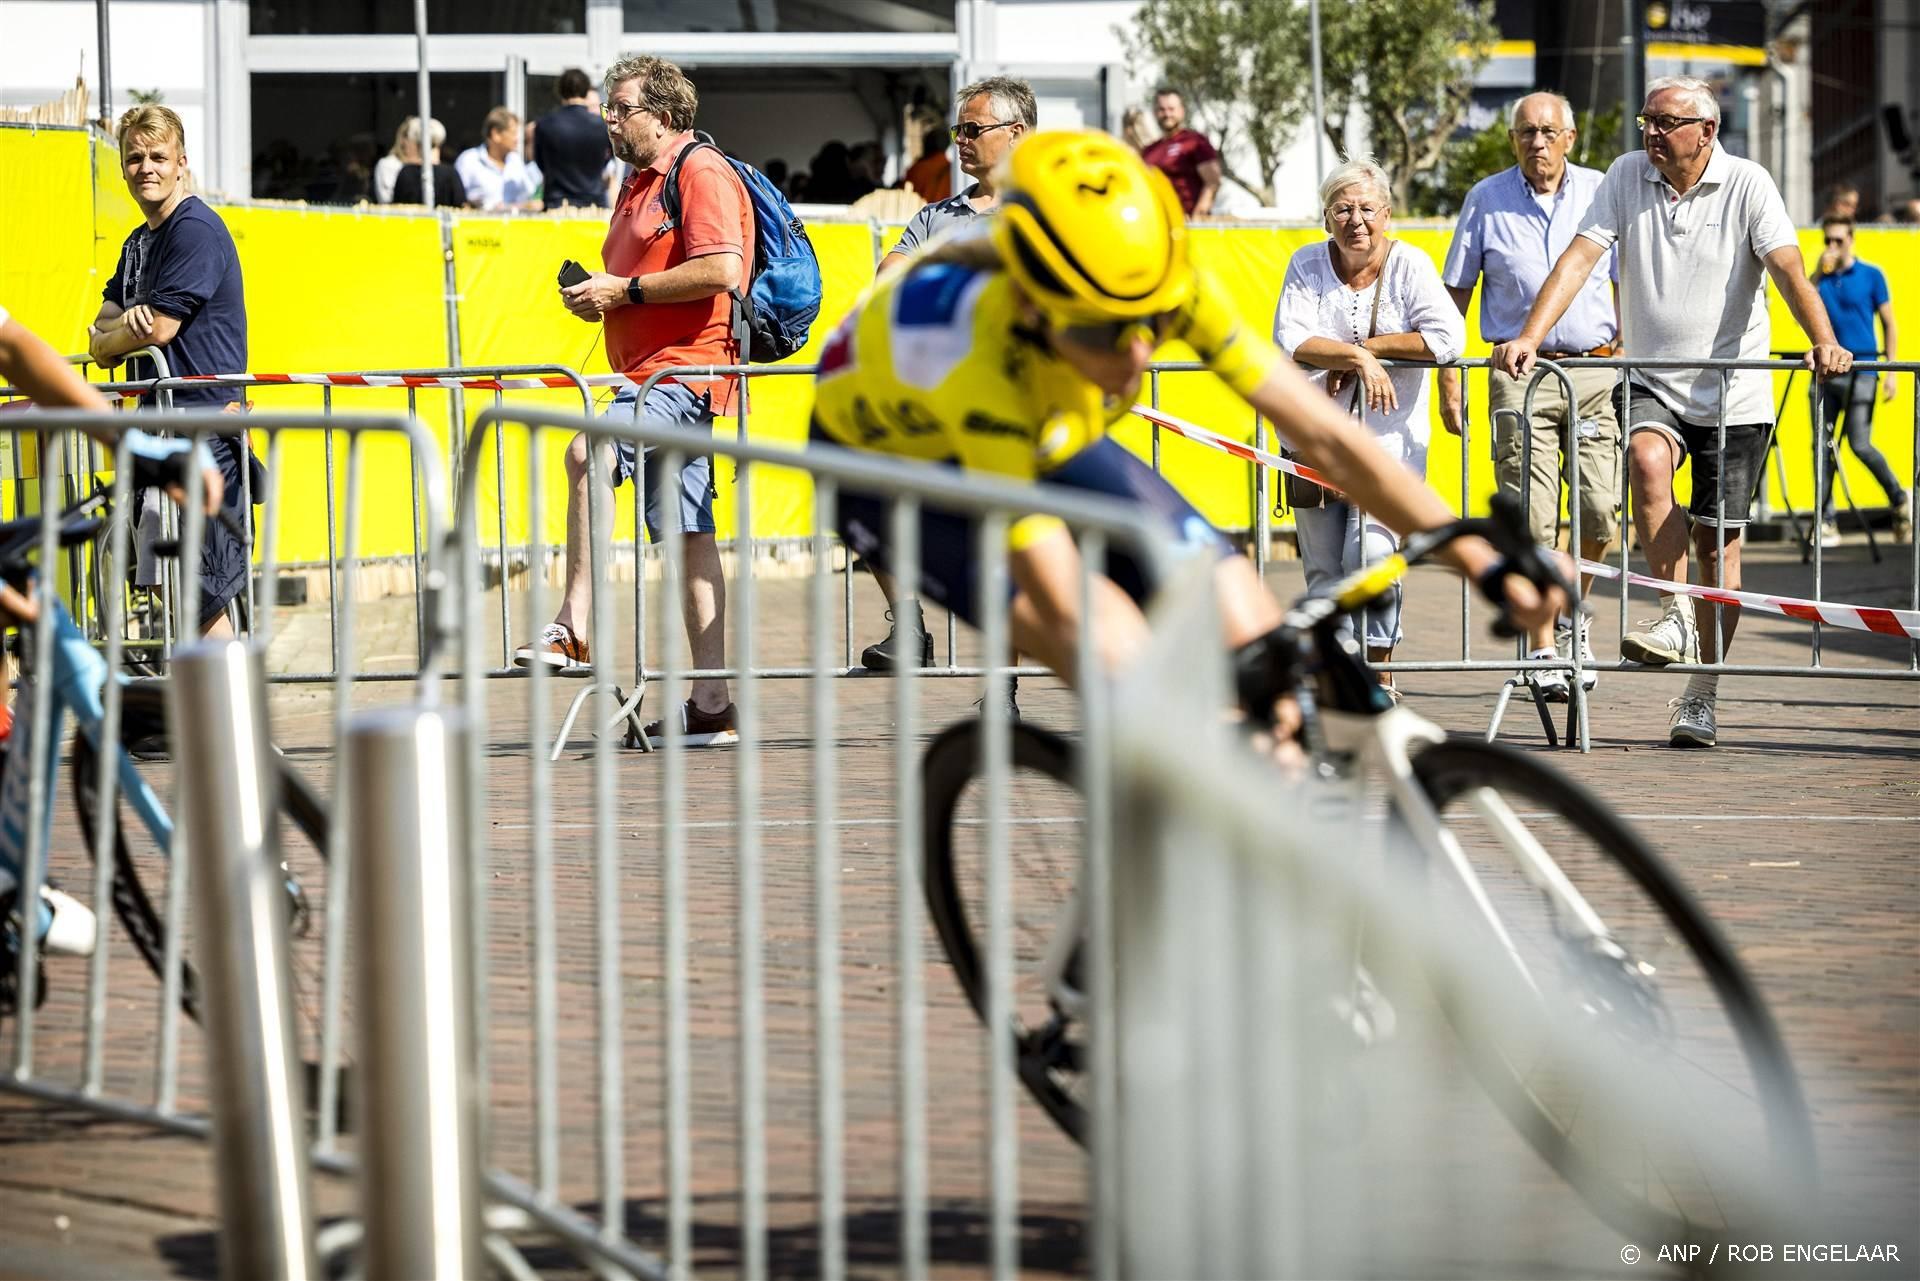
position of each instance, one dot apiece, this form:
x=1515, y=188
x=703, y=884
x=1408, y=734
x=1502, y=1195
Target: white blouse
x=1315, y=304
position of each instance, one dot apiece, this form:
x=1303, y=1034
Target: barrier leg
x=420, y=1160
x=229, y=806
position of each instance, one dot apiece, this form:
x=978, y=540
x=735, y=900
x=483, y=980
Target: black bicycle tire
x=143, y=718
x=1444, y=771
x=950, y=762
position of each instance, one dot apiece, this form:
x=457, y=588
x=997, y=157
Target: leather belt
x=1605, y=349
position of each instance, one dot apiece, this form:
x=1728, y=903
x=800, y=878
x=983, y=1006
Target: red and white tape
x=1200, y=435
x=524, y=383
x=1859, y=618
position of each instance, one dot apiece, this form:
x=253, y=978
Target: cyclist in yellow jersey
x=1010, y=349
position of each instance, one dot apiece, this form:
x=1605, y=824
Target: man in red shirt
x=1187, y=158
x=664, y=299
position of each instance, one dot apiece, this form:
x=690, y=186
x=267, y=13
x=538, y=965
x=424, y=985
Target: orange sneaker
x=557, y=647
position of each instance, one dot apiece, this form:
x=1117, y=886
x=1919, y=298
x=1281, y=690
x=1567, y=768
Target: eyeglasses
x=1667, y=124
x=1117, y=336
x=617, y=112
x=1836, y=240
x=1548, y=136
x=1368, y=214
x=968, y=131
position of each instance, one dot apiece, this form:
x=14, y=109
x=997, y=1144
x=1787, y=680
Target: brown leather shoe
x=557, y=647
x=698, y=728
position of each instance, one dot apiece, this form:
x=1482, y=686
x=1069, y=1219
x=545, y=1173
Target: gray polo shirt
x=938, y=217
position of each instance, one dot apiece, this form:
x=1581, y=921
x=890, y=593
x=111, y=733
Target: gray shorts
x=1740, y=464
x=693, y=489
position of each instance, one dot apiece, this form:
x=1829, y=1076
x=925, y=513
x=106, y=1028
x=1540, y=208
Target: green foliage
x=1441, y=191
x=1240, y=65
x=1244, y=68
x=147, y=97
x=1408, y=66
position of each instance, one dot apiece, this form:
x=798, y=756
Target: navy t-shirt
x=187, y=268
x=570, y=146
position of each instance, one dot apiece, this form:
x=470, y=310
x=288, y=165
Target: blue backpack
x=774, y=312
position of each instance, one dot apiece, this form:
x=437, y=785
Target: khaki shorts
x=1599, y=452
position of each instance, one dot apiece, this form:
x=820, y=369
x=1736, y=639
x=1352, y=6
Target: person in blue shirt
x=178, y=288
x=1511, y=230
x=1855, y=293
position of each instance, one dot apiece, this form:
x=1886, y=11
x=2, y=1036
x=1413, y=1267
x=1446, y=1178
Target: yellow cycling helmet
x=1089, y=230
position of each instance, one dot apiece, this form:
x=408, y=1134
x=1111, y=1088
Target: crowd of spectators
x=1561, y=255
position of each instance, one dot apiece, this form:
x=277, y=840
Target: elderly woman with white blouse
x=1348, y=303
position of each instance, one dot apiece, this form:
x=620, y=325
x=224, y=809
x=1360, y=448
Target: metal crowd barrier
x=224, y=805
x=761, y=861
x=1517, y=664
x=538, y=553
x=1249, y=1132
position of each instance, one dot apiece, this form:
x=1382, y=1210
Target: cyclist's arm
x=30, y=364
x=1342, y=449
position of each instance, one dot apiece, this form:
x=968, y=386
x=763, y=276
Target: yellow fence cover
x=345, y=290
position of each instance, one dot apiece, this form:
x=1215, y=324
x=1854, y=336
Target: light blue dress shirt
x=1505, y=235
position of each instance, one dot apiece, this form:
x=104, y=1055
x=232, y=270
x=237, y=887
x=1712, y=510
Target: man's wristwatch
x=635, y=294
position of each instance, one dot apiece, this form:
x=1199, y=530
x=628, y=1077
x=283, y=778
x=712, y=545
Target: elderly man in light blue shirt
x=1512, y=230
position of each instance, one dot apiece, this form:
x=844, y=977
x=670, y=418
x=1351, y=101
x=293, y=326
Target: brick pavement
x=1822, y=909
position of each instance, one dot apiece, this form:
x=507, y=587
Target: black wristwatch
x=635, y=294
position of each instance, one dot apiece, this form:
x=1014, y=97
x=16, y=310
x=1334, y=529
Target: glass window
x=317, y=136
x=385, y=17
x=915, y=16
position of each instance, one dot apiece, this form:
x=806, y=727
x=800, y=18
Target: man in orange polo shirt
x=664, y=300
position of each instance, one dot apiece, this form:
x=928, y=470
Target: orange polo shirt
x=715, y=218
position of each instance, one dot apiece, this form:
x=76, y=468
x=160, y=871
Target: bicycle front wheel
x=1046, y=827
x=1664, y=989
x=140, y=864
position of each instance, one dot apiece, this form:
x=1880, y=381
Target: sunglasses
x=1117, y=336
x=1836, y=240
x=968, y=131
x=1667, y=124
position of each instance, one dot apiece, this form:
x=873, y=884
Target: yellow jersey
x=935, y=363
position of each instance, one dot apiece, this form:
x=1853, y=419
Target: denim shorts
x=1740, y=465
x=693, y=489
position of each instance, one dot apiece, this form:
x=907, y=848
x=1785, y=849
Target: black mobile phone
x=572, y=273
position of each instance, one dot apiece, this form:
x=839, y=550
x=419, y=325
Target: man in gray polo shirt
x=1510, y=230
x=1698, y=232
x=995, y=113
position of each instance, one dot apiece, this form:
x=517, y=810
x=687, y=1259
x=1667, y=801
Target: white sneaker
x=1551, y=684
x=73, y=930
x=1563, y=647
x=1692, y=722
x=1830, y=534
x=1668, y=639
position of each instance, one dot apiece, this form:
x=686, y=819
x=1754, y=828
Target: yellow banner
x=342, y=290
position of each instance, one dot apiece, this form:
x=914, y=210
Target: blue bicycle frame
x=78, y=685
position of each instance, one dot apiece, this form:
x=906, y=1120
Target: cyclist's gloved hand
x=162, y=463
x=1543, y=591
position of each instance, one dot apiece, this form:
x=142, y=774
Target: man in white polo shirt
x=1697, y=231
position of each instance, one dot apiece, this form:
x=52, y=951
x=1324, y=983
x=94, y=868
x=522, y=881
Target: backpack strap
x=670, y=201
x=670, y=191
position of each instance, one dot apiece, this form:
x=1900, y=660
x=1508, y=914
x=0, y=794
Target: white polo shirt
x=1693, y=280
